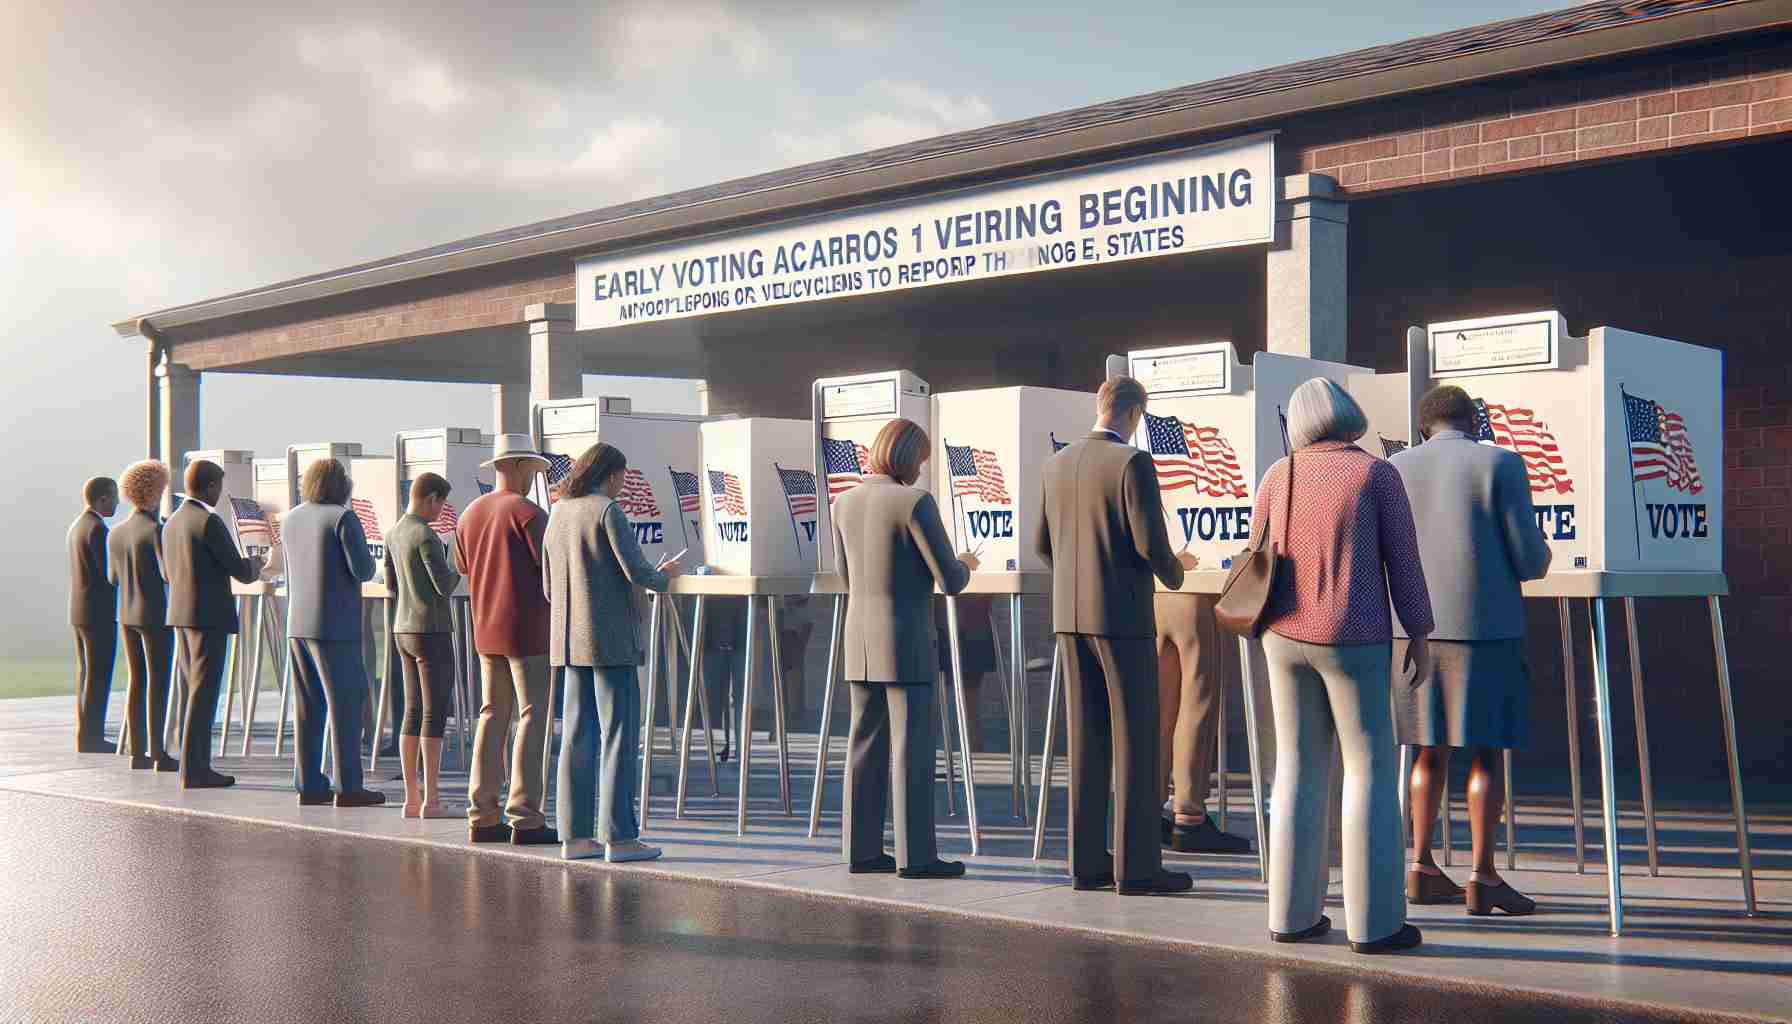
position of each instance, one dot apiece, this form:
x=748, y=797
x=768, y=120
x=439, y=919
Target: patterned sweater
x=1351, y=545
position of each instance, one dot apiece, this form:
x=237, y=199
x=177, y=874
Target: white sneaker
x=634, y=849
x=581, y=849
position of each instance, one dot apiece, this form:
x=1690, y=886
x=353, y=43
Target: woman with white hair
x=1349, y=546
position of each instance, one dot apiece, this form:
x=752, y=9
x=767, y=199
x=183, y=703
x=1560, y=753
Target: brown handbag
x=1244, y=599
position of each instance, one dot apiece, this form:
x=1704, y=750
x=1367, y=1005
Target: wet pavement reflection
x=116, y=914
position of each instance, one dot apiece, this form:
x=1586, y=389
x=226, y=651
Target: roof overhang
x=1013, y=156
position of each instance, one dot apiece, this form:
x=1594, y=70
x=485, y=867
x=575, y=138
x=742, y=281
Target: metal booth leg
x=1219, y=741
x=827, y=715
x=233, y=663
x=1569, y=688
x=1722, y=651
x=253, y=696
x=285, y=689
x=777, y=659
x=945, y=706
x=1250, y=731
x=1047, y=754
x=692, y=696
x=1018, y=744
x=389, y=654
x=751, y=673
x=1511, y=815
x=1406, y=793
x=1608, y=803
x=1642, y=732
x=1443, y=821
x=692, y=653
x=655, y=620
x=460, y=682
x=964, y=732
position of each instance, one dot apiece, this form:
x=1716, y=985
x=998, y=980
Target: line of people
x=556, y=594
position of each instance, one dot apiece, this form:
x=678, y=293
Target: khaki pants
x=510, y=687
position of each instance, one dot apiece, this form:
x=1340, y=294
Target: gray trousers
x=886, y=715
x=1325, y=697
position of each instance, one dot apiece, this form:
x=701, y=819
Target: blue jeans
x=602, y=708
x=331, y=682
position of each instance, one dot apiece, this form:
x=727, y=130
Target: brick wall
x=486, y=297
x=1691, y=98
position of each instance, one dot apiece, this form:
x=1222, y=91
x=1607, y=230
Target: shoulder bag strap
x=1287, y=503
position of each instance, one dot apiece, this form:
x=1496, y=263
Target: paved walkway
x=1688, y=944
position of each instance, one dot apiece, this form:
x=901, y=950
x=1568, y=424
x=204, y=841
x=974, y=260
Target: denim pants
x=602, y=708
x=331, y=682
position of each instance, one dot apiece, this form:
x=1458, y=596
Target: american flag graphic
x=1188, y=455
x=1659, y=446
x=558, y=467
x=447, y=520
x=799, y=490
x=252, y=523
x=976, y=473
x=485, y=488
x=725, y=493
x=1391, y=447
x=1057, y=445
x=845, y=462
x=1519, y=430
x=637, y=495
x=370, y=523
x=688, y=489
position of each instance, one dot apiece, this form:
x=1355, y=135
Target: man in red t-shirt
x=498, y=549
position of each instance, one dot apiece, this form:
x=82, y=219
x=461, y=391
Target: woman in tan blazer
x=892, y=551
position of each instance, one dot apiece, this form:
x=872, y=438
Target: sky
x=153, y=154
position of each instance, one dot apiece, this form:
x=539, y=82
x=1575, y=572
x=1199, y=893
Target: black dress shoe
x=1093, y=883
x=210, y=780
x=1317, y=931
x=1406, y=938
x=489, y=834
x=142, y=762
x=95, y=747
x=319, y=799
x=543, y=836
x=938, y=869
x=882, y=864
x=166, y=764
x=1163, y=882
x=361, y=798
x=1203, y=838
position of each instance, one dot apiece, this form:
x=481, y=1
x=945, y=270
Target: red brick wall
x=1660, y=102
x=487, y=297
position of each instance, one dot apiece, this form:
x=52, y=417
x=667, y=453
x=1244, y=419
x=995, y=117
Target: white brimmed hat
x=514, y=446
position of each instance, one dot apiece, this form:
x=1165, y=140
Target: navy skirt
x=1479, y=695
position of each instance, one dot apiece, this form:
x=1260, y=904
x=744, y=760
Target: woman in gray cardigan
x=591, y=563
x=892, y=551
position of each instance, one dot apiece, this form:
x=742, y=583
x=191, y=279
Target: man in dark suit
x=93, y=611
x=1101, y=528
x=200, y=561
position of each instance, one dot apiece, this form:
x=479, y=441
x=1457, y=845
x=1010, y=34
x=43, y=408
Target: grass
x=54, y=675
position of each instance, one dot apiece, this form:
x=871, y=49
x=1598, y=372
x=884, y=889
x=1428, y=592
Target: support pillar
x=556, y=358
x=152, y=433
x=1307, y=312
x=178, y=385
x=510, y=407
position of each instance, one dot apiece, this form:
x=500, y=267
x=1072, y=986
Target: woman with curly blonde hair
x=134, y=558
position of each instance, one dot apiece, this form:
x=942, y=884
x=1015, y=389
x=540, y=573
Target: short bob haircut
x=900, y=449
x=1446, y=407
x=588, y=474
x=326, y=482
x=1119, y=396
x=429, y=485
x=143, y=483
x=1320, y=410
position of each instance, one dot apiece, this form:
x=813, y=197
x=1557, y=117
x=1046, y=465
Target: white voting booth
x=1621, y=436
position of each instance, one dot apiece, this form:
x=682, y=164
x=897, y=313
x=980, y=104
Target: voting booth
x=375, y=504
x=453, y=453
x=989, y=450
x=661, y=495
x=237, y=507
x=848, y=413
x=758, y=494
x=1621, y=438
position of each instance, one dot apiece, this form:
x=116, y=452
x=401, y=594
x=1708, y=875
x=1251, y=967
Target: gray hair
x=1320, y=410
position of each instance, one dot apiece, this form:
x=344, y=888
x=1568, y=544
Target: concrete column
x=152, y=432
x=510, y=407
x=556, y=358
x=178, y=387
x=703, y=397
x=1306, y=271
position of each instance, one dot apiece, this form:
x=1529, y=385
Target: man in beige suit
x=1102, y=531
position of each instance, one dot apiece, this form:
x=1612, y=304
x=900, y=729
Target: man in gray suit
x=93, y=611
x=1101, y=528
x=200, y=560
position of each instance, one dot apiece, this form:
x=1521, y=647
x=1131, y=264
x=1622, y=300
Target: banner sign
x=1210, y=197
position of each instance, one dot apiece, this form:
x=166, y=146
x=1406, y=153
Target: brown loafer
x=1425, y=888
x=1483, y=899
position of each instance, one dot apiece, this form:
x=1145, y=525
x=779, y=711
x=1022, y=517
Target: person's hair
x=97, y=488
x=899, y=450
x=429, y=485
x=1119, y=396
x=326, y=482
x=1320, y=410
x=143, y=483
x=592, y=469
x=202, y=474
x=1446, y=406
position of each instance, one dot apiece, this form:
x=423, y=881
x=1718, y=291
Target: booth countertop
x=741, y=586
x=981, y=583
x=1629, y=584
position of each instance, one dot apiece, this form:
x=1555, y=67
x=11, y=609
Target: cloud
x=895, y=112
x=659, y=39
